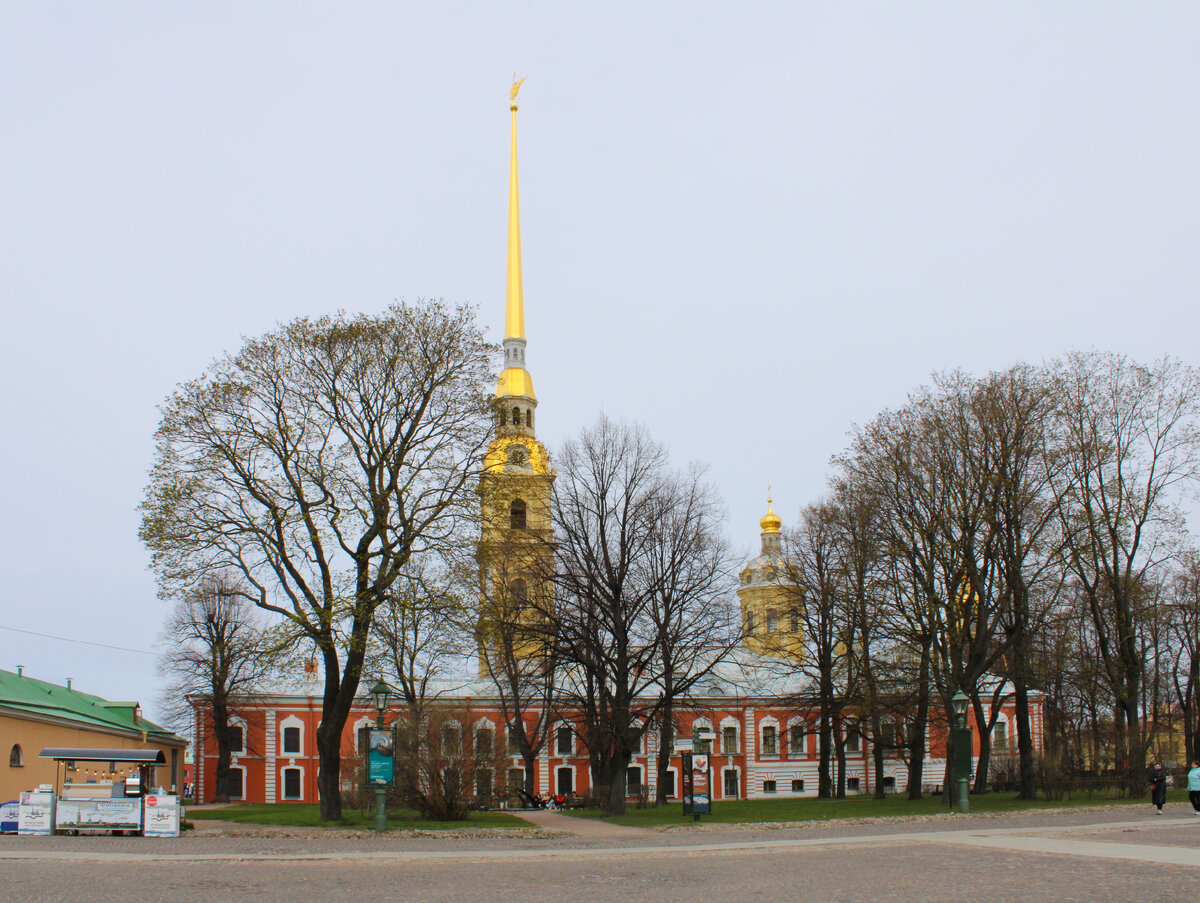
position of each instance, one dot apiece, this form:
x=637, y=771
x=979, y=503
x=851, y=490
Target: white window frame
x=731, y=722
x=762, y=730
x=290, y=721
x=360, y=725
x=554, y=779
x=242, y=769
x=239, y=721
x=283, y=784
x=570, y=736
x=484, y=724
x=737, y=778
x=800, y=723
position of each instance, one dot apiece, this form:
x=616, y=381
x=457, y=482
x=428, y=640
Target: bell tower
x=516, y=549
x=771, y=601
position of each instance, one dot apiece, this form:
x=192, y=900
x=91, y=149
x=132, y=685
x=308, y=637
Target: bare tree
x=215, y=651
x=813, y=550
x=316, y=462
x=689, y=572
x=1131, y=445
x=419, y=634
x=518, y=656
x=634, y=599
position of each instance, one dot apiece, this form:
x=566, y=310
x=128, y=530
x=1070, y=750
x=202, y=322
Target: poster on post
x=380, y=757
x=701, y=795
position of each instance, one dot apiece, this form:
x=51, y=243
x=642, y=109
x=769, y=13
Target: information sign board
x=701, y=795
x=10, y=813
x=380, y=758
x=163, y=814
x=99, y=815
x=36, y=814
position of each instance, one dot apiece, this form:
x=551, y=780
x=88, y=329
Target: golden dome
x=771, y=521
x=515, y=381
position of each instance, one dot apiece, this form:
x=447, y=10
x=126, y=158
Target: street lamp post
x=962, y=749
x=380, y=693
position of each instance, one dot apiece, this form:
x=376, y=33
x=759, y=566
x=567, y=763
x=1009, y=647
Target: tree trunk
x=916, y=733
x=329, y=771
x=221, y=733
x=1027, y=765
x=877, y=752
x=617, y=785
x=839, y=751
x=824, y=748
x=984, y=761
x=666, y=742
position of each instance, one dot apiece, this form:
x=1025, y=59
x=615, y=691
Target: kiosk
x=109, y=790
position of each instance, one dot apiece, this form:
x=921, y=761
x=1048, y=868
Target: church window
x=291, y=741
x=796, y=739
x=451, y=740
x=729, y=741
x=16, y=758
x=772, y=621
x=291, y=783
x=485, y=742
x=516, y=416
x=768, y=741
x=529, y=416
x=794, y=621
x=854, y=739
x=749, y=622
x=516, y=514
x=483, y=784
x=563, y=741
x=519, y=590
x=503, y=417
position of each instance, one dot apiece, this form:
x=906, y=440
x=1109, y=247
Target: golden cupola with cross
x=515, y=550
x=771, y=598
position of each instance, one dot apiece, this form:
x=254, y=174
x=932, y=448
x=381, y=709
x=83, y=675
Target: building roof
x=37, y=699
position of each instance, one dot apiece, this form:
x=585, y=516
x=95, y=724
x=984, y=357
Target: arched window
x=772, y=621
x=529, y=416
x=516, y=514
x=16, y=759
x=516, y=416
x=519, y=590
x=749, y=622
x=794, y=621
x=503, y=417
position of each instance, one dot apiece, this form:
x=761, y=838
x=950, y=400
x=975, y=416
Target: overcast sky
x=748, y=226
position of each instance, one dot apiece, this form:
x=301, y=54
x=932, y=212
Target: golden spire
x=514, y=379
x=514, y=301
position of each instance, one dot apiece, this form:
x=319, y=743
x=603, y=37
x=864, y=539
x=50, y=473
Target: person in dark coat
x=1157, y=776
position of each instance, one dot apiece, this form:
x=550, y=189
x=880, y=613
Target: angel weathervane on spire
x=516, y=86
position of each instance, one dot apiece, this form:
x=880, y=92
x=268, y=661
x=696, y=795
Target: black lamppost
x=379, y=696
x=962, y=749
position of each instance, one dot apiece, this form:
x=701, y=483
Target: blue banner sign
x=380, y=757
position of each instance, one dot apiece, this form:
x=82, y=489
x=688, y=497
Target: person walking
x=1194, y=787
x=1157, y=776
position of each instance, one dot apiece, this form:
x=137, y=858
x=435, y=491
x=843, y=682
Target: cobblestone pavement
x=1109, y=854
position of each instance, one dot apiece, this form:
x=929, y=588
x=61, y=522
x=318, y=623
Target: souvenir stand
x=110, y=790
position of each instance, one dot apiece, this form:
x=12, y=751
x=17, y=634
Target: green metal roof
x=38, y=698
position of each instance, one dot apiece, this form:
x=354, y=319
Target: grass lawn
x=812, y=809
x=309, y=815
